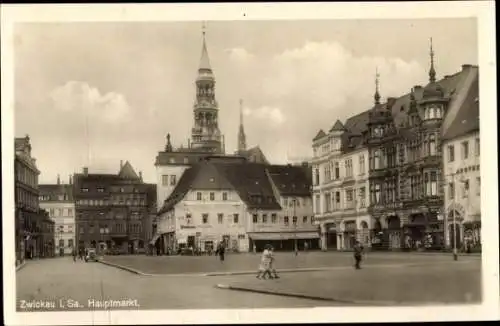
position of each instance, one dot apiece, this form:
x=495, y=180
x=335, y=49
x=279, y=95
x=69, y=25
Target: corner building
x=403, y=140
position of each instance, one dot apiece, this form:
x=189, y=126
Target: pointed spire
x=58, y=179
x=377, y=95
x=242, y=143
x=432, y=71
x=168, y=147
x=204, y=61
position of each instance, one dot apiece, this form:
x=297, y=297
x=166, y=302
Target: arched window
x=432, y=144
x=439, y=112
x=431, y=113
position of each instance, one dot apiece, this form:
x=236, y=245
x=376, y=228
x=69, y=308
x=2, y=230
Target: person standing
x=221, y=251
x=74, y=254
x=265, y=263
x=272, y=270
x=358, y=253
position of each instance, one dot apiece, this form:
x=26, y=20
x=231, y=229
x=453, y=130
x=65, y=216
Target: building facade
x=32, y=226
x=57, y=200
x=403, y=139
x=112, y=210
x=462, y=177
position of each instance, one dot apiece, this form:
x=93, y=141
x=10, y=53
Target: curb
x=128, y=269
x=296, y=270
x=309, y=297
x=19, y=267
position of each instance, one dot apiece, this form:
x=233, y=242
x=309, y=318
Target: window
x=255, y=218
x=304, y=219
x=220, y=218
x=328, y=201
x=349, y=195
x=477, y=147
x=294, y=219
x=433, y=183
x=224, y=196
x=188, y=218
x=51, y=212
x=264, y=218
x=173, y=180
x=337, y=170
x=212, y=196
x=70, y=243
x=478, y=186
x=316, y=176
x=451, y=191
x=317, y=204
x=205, y=218
x=122, y=190
x=164, y=180
x=312, y=219
x=285, y=219
x=465, y=189
x=100, y=189
x=376, y=159
x=85, y=189
x=465, y=150
x=273, y=218
x=451, y=153
x=432, y=145
x=198, y=196
x=337, y=199
x=236, y=218
x=82, y=229
x=377, y=193
x=348, y=168
x=361, y=164
x=362, y=196
x=61, y=243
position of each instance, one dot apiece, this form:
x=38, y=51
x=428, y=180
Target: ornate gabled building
x=112, y=210
x=403, y=137
x=34, y=231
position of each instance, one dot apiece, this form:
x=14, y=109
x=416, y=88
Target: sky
x=132, y=83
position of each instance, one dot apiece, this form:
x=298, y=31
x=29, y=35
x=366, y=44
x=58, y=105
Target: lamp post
x=452, y=184
x=294, y=221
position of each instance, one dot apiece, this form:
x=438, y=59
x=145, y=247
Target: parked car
x=91, y=255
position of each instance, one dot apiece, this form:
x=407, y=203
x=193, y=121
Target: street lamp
x=451, y=184
x=294, y=221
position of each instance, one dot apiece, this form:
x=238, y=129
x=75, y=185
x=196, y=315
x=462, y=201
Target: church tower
x=242, y=139
x=206, y=136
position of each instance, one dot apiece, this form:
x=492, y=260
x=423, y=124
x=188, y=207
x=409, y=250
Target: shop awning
x=283, y=236
x=154, y=239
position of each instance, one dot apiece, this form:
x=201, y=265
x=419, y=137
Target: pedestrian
x=265, y=263
x=221, y=251
x=306, y=246
x=254, y=249
x=74, y=254
x=358, y=252
x=272, y=270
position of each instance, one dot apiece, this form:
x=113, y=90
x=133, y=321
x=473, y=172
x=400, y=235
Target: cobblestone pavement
x=62, y=279
x=284, y=260
x=440, y=283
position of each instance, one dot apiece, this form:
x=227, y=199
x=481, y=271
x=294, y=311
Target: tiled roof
x=467, y=117
x=249, y=180
x=319, y=135
x=291, y=180
x=127, y=172
x=20, y=143
x=53, y=191
x=255, y=155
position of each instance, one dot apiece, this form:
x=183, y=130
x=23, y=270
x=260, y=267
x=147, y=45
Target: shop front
x=350, y=234
x=285, y=241
x=331, y=236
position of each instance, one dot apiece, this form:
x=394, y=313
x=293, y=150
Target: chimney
x=85, y=171
x=417, y=87
x=121, y=164
x=466, y=66
x=58, y=179
x=140, y=175
x=70, y=179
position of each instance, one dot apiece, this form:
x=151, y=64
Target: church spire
x=432, y=71
x=204, y=61
x=242, y=143
x=377, y=94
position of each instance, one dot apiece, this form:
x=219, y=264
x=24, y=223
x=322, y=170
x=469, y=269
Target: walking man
x=358, y=252
x=221, y=251
x=265, y=262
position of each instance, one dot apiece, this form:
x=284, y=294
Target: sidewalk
x=410, y=285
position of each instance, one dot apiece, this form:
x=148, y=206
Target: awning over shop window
x=283, y=236
x=155, y=238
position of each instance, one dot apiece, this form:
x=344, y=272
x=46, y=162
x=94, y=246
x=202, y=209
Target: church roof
x=204, y=60
x=338, y=126
x=127, y=172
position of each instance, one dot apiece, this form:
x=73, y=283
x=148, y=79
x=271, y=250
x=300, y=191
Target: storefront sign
x=188, y=227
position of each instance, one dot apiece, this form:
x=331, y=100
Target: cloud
x=82, y=98
x=309, y=87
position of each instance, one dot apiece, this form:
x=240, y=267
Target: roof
x=291, y=180
x=249, y=180
x=127, y=172
x=20, y=143
x=467, y=118
x=53, y=191
x=338, y=126
x=254, y=155
x=204, y=61
x=319, y=135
